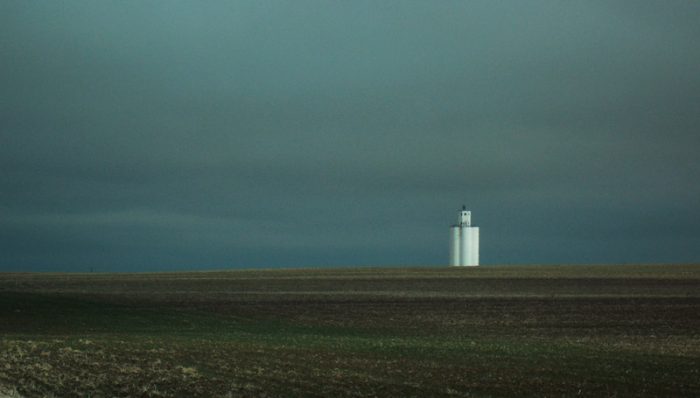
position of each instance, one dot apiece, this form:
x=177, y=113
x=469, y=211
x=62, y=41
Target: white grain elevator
x=464, y=241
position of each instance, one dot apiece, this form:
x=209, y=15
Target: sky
x=187, y=135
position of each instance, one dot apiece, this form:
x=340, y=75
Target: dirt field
x=492, y=331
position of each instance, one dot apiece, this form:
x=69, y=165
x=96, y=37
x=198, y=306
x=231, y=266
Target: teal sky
x=157, y=135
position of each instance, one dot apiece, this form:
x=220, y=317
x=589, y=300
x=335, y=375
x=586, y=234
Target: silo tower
x=464, y=241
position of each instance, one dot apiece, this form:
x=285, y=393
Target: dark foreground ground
x=492, y=331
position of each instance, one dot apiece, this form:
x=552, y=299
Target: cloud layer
x=170, y=135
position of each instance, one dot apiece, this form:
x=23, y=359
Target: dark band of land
x=488, y=331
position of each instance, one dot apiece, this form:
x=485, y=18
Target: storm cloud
x=191, y=135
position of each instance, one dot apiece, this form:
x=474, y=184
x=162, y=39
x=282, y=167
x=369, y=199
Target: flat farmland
x=431, y=331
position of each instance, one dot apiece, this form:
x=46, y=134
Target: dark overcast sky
x=157, y=135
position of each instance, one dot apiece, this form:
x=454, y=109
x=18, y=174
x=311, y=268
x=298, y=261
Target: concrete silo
x=464, y=241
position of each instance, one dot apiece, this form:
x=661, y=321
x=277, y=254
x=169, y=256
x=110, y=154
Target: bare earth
x=488, y=331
